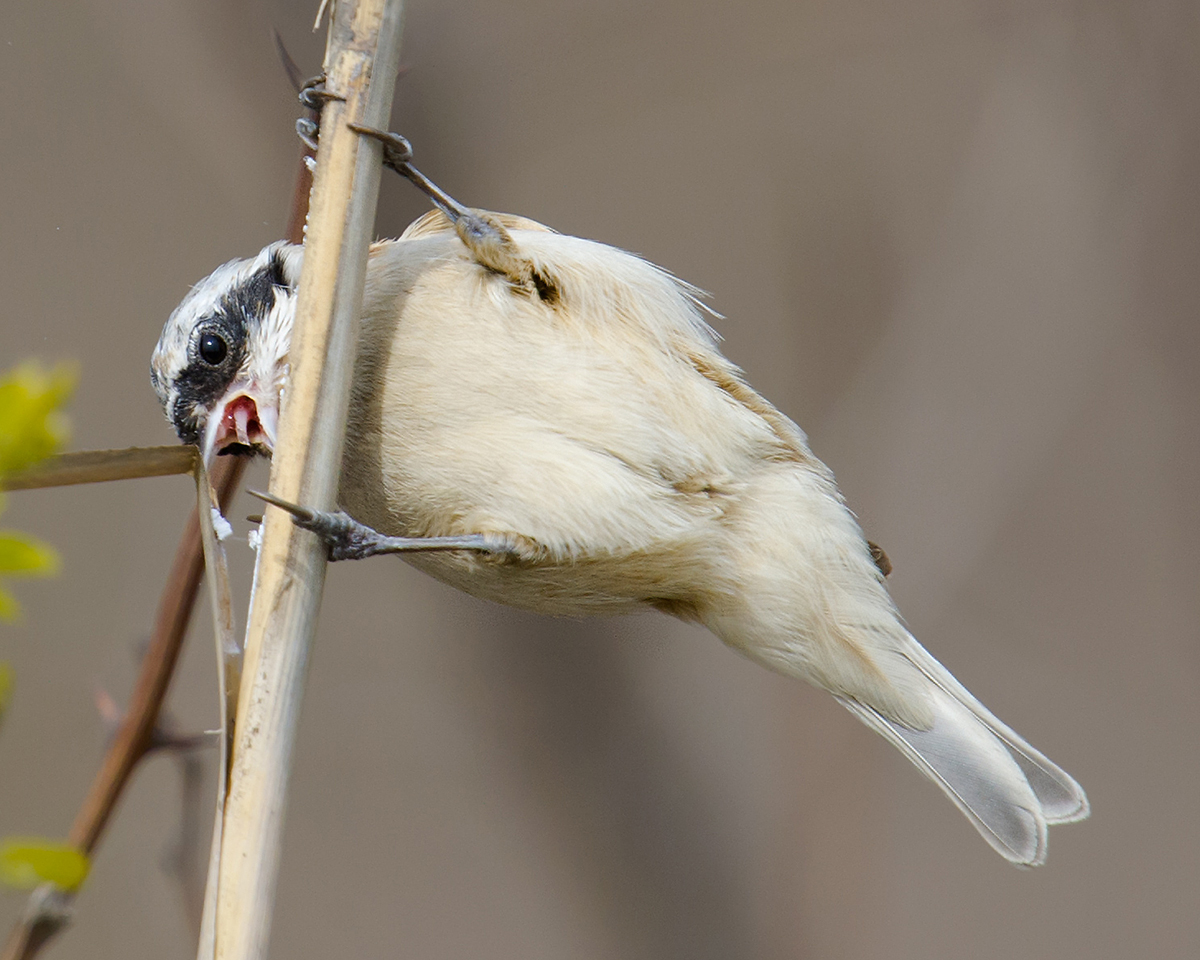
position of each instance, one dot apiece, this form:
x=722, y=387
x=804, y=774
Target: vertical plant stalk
x=362, y=58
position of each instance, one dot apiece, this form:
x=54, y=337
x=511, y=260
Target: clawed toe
x=307, y=131
x=314, y=95
x=396, y=149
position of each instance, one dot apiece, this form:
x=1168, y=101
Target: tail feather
x=976, y=773
x=1006, y=788
x=1061, y=797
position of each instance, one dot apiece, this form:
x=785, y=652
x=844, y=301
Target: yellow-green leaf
x=31, y=426
x=24, y=556
x=28, y=861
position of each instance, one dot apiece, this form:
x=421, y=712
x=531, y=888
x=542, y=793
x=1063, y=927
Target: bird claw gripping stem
x=313, y=96
x=347, y=539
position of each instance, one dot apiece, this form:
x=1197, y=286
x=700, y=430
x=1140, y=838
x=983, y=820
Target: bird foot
x=347, y=539
x=313, y=96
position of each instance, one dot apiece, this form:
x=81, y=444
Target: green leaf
x=31, y=426
x=28, y=861
x=24, y=556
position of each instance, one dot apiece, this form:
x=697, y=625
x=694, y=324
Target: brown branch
x=299, y=211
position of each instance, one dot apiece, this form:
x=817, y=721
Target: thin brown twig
x=299, y=208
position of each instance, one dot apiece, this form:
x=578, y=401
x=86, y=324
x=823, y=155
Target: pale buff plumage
x=575, y=404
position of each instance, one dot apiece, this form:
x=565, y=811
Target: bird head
x=222, y=360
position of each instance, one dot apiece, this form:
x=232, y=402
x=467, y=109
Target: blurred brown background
x=957, y=242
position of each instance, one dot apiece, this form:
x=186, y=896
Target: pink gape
x=240, y=425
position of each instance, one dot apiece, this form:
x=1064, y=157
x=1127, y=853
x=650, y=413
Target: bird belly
x=586, y=534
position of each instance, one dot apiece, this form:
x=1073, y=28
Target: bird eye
x=212, y=348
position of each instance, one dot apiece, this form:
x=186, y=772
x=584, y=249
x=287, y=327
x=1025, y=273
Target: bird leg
x=397, y=155
x=490, y=244
x=347, y=539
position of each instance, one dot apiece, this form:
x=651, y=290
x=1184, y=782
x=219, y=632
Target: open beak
x=243, y=421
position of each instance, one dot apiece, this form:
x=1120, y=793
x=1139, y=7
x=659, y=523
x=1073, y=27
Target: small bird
x=559, y=410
